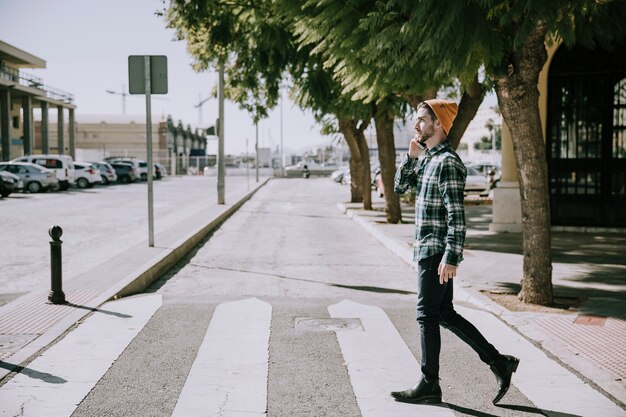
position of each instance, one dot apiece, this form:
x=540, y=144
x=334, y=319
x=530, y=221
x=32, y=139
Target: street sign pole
x=149, y=149
x=148, y=75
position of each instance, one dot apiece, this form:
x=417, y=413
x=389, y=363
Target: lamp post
x=256, y=148
x=282, y=148
x=220, y=151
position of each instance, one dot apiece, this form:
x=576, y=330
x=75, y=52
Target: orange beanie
x=445, y=110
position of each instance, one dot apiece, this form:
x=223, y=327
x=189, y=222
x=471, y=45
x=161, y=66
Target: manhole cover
x=328, y=324
x=9, y=344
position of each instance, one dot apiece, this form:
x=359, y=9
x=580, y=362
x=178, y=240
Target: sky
x=86, y=44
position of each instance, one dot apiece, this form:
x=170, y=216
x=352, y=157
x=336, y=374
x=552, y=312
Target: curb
x=130, y=284
x=145, y=275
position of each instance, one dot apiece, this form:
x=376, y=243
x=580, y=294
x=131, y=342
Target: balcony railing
x=28, y=80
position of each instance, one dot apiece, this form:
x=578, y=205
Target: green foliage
x=248, y=37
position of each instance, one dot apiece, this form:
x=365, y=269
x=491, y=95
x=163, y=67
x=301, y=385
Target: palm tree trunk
x=387, y=156
x=471, y=100
x=366, y=170
x=518, y=98
x=347, y=127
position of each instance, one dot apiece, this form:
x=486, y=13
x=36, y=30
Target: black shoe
x=423, y=393
x=503, y=369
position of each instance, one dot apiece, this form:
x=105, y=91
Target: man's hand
x=414, y=149
x=446, y=272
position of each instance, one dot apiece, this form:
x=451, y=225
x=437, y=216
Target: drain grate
x=328, y=324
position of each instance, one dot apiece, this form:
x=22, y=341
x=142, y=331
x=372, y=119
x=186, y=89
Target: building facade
x=20, y=94
x=102, y=136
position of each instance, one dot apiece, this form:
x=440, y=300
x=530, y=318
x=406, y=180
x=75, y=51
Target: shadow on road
x=43, y=376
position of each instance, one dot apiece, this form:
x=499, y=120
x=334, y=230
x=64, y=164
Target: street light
x=282, y=148
x=220, y=150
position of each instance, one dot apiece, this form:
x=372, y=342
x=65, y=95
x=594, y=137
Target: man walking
x=439, y=179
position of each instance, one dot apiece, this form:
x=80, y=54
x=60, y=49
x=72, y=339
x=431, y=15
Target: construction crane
x=199, y=107
x=123, y=94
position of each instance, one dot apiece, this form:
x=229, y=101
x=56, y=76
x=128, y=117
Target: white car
x=476, y=182
x=62, y=165
x=87, y=174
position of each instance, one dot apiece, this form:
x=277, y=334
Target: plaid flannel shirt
x=439, y=180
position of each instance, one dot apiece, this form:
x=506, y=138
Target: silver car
x=34, y=177
x=106, y=172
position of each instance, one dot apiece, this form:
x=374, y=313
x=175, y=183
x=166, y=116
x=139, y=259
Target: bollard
x=56, y=295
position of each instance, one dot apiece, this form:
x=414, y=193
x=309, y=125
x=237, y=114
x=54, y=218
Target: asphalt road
x=290, y=247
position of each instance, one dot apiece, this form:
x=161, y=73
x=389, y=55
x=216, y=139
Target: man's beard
x=424, y=138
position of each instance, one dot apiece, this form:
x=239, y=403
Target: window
x=50, y=163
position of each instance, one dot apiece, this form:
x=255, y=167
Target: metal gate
x=586, y=142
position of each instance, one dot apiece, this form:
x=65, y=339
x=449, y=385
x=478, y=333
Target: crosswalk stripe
x=229, y=375
x=56, y=382
x=378, y=362
x=548, y=385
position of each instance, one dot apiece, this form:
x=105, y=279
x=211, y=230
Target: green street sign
x=137, y=76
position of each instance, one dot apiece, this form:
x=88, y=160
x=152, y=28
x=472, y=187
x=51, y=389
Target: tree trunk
x=348, y=127
x=387, y=156
x=518, y=98
x=414, y=100
x=366, y=170
x=471, y=100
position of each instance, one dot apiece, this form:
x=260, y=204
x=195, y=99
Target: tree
x=254, y=40
x=494, y=141
x=319, y=92
x=371, y=48
x=411, y=47
x=507, y=39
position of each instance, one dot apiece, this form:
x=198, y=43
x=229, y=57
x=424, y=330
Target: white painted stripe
x=56, y=382
x=548, y=385
x=229, y=375
x=379, y=362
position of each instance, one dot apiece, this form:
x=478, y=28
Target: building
x=102, y=136
x=20, y=94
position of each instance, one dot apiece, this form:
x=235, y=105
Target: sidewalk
x=30, y=323
x=589, y=270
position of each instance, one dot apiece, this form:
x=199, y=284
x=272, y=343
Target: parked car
x=476, y=182
x=9, y=183
x=87, y=175
x=346, y=179
x=63, y=166
x=338, y=174
x=34, y=177
x=125, y=172
x=143, y=170
x=158, y=171
x=161, y=168
x=140, y=172
x=491, y=171
x=107, y=173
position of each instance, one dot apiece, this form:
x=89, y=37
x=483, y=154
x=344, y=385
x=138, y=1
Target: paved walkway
x=589, y=270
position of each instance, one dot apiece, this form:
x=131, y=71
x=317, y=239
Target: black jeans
x=434, y=308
